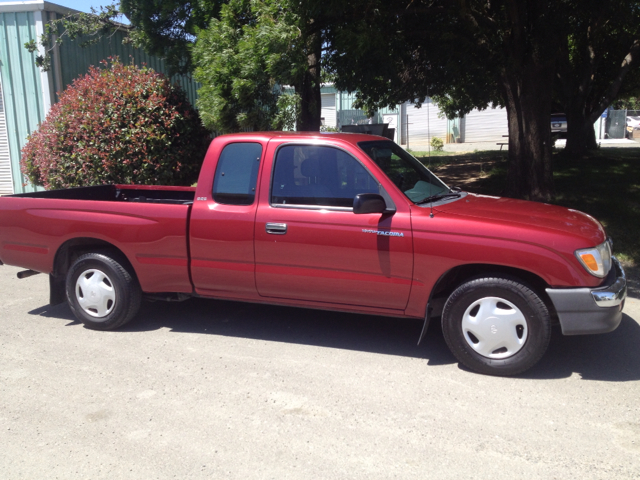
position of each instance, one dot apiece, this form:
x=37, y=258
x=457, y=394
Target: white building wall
x=6, y=181
x=423, y=124
x=489, y=125
x=329, y=109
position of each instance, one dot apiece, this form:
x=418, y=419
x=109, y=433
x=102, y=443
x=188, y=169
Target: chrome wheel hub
x=95, y=293
x=494, y=327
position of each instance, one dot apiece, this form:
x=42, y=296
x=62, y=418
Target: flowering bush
x=117, y=124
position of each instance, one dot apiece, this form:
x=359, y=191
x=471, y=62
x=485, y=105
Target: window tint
x=313, y=175
x=407, y=173
x=237, y=173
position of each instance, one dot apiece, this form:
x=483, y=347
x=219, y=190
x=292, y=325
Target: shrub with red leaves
x=117, y=124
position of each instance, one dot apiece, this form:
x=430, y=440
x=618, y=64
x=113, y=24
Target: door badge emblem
x=384, y=233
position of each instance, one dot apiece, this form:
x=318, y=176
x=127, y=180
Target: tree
x=167, y=28
x=87, y=28
x=164, y=28
x=118, y=124
x=253, y=48
x=469, y=53
x=598, y=61
x=629, y=103
x=233, y=59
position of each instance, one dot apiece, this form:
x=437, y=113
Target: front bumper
x=591, y=310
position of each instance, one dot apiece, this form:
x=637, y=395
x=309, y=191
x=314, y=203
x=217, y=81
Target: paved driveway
x=211, y=389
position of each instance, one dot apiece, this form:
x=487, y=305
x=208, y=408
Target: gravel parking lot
x=212, y=389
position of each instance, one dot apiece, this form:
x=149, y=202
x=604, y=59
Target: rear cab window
x=236, y=174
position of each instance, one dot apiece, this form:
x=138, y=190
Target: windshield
x=407, y=173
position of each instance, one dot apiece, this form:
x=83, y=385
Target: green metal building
x=27, y=93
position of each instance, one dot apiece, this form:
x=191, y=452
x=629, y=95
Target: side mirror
x=369, y=203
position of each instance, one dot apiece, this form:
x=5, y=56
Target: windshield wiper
x=439, y=196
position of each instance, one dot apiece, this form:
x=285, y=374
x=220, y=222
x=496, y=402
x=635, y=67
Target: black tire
x=496, y=326
x=101, y=291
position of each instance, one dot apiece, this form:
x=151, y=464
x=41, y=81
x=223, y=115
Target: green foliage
x=475, y=53
x=630, y=103
x=244, y=58
x=275, y=43
x=598, y=61
x=167, y=28
x=288, y=106
x=393, y=51
x=118, y=124
x=164, y=28
x=87, y=27
x=233, y=60
x=437, y=144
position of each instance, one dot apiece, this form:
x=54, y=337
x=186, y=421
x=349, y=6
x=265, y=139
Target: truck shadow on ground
x=609, y=357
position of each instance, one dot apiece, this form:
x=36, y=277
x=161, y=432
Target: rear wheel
x=101, y=291
x=496, y=326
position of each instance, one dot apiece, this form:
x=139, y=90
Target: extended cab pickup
x=330, y=221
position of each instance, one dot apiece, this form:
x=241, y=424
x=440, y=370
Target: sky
x=81, y=5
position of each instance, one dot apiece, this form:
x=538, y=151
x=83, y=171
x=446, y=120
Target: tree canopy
x=598, y=62
x=167, y=28
x=467, y=54
x=525, y=55
x=238, y=58
x=521, y=54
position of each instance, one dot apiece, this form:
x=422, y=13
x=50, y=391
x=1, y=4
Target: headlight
x=596, y=260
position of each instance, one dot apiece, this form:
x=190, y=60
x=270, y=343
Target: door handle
x=276, y=228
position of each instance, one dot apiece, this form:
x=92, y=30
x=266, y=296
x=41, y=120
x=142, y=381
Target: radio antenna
x=429, y=153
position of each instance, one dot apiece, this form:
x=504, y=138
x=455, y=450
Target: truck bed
x=120, y=193
x=148, y=224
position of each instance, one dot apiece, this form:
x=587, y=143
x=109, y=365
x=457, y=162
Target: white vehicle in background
x=633, y=127
x=633, y=122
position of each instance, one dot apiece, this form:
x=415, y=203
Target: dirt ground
x=467, y=171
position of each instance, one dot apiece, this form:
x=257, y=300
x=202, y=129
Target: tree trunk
x=581, y=135
x=528, y=99
x=309, y=90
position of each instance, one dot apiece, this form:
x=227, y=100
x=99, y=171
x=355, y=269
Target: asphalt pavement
x=214, y=389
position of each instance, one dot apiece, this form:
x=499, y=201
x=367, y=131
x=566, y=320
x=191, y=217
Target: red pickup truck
x=330, y=221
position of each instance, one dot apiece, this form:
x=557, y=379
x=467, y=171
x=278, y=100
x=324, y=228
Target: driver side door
x=310, y=246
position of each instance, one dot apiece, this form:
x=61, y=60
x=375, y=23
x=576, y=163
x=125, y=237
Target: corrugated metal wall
x=347, y=114
x=21, y=85
x=329, y=109
x=489, y=125
x=75, y=61
x=424, y=123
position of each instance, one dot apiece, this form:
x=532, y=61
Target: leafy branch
x=89, y=27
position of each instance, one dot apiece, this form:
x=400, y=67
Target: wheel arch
x=68, y=252
x=460, y=274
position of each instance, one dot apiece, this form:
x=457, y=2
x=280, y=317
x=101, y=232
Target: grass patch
x=433, y=153
x=604, y=183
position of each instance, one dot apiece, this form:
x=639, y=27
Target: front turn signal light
x=590, y=261
x=596, y=260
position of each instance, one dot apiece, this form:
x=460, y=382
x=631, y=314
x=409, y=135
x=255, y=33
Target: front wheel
x=496, y=326
x=101, y=292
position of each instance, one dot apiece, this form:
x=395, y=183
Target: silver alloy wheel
x=95, y=293
x=494, y=327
